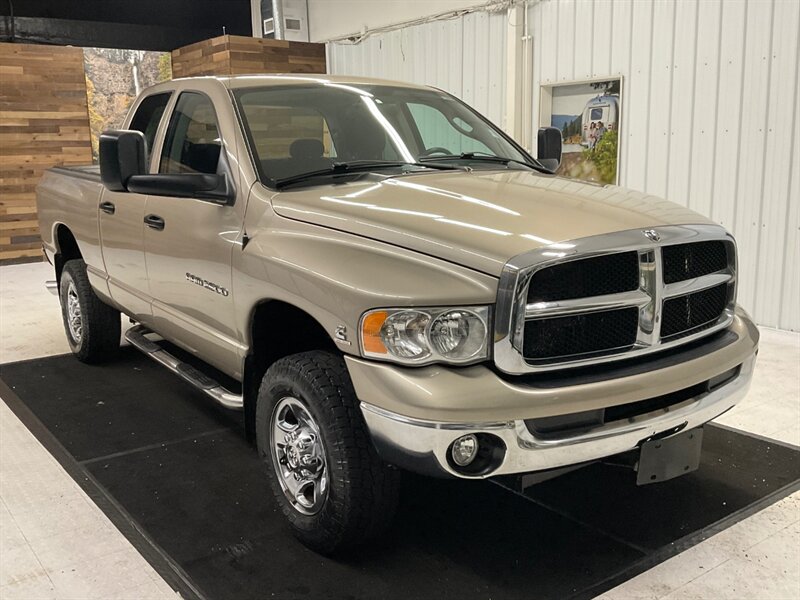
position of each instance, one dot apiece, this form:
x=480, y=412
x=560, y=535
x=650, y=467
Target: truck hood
x=478, y=219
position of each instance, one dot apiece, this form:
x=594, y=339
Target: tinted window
x=192, y=143
x=299, y=129
x=148, y=116
x=597, y=114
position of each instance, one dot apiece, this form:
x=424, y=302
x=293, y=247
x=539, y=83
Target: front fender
x=335, y=277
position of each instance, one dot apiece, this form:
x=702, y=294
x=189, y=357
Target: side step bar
x=136, y=336
x=52, y=286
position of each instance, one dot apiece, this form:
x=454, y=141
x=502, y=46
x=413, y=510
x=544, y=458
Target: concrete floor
x=55, y=543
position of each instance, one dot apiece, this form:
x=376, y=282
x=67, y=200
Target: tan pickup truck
x=382, y=279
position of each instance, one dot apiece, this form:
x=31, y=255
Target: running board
x=136, y=336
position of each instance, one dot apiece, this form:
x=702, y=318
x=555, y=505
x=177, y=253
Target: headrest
x=306, y=148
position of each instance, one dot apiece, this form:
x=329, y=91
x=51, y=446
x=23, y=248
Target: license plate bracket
x=667, y=458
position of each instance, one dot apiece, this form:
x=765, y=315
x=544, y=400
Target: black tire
x=362, y=491
x=100, y=328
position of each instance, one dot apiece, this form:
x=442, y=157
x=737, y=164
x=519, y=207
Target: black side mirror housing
x=549, y=147
x=123, y=155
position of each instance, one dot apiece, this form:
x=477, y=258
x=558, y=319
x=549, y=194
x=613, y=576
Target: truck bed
x=91, y=172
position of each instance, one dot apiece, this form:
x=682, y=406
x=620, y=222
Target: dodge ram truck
x=383, y=280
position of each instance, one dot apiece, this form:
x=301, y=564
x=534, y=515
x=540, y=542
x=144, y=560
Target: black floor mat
x=179, y=467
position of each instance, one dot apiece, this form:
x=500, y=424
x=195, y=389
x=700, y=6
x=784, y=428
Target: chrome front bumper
x=422, y=446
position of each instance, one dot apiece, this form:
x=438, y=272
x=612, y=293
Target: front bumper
x=421, y=444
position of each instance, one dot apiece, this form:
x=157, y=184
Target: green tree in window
x=604, y=156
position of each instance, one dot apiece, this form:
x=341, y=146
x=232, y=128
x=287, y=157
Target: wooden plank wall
x=44, y=122
x=237, y=55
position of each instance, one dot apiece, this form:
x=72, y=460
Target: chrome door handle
x=108, y=207
x=154, y=222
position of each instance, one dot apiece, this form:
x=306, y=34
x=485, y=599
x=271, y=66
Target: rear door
x=121, y=217
x=189, y=242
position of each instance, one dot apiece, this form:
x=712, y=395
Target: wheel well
x=66, y=249
x=277, y=329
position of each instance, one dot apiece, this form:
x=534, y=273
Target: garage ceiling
x=136, y=24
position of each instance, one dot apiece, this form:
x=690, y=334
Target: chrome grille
x=607, y=274
x=684, y=314
x=563, y=337
x=687, y=261
x=613, y=296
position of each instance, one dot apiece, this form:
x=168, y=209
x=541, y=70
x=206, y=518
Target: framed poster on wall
x=588, y=114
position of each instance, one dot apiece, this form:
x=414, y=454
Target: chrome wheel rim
x=74, y=319
x=298, y=456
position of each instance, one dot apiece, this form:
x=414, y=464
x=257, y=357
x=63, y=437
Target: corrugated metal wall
x=710, y=106
x=464, y=56
x=710, y=116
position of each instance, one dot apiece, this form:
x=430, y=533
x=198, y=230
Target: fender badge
x=340, y=333
x=652, y=235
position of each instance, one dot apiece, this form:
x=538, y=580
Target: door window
x=148, y=116
x=192, y=143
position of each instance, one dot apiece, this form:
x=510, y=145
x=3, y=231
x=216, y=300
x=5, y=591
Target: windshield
x=307, y=129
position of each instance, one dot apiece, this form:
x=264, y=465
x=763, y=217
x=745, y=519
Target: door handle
x=154, y=222
x=107, y=207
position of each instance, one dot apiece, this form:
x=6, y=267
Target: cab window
x=148, y=116
x=192, y=143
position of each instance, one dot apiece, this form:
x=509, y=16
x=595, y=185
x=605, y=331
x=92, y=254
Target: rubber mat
x=175, y=474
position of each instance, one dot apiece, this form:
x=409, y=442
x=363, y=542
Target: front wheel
x=323, y=469
x=92, y=327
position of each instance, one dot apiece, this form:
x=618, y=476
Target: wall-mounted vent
x=293, y=24
x=269, y=27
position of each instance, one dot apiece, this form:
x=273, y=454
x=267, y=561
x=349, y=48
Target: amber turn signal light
x=371, y=332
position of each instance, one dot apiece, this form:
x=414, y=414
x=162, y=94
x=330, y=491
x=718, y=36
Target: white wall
x=710, y=117
x=462, y=56
x=336, y=18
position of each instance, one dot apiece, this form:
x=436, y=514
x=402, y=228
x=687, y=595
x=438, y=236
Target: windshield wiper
x=485, y=157
x=357, y=166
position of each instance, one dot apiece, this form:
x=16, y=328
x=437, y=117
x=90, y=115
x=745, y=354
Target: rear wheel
x=92, y=327
x=323, y=469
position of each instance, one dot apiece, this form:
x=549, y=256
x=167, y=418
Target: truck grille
x=608, y=274
x=562, y=337
x=685, y=314
x=608, y=300
x=687, y=261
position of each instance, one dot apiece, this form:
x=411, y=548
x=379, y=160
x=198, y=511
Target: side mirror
x=549, y=147
x=216, y=188
x=122, y=156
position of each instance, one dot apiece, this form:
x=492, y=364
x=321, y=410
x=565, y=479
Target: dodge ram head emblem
x=652, y=235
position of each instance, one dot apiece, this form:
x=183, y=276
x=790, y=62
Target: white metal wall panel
x=710, y=116
x=710, y=109
x=464, y=56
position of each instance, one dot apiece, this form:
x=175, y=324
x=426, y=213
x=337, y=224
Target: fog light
x=465, y=449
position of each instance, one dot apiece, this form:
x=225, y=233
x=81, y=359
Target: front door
x=189, y=243
x=121, y=217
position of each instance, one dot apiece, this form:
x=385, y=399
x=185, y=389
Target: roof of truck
x=284, y=79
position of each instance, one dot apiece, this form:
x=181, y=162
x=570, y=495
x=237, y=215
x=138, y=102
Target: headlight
x=426, y=335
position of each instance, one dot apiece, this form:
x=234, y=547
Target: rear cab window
x=148, y=116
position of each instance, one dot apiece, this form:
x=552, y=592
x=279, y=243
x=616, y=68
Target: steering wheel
x=435, y=150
